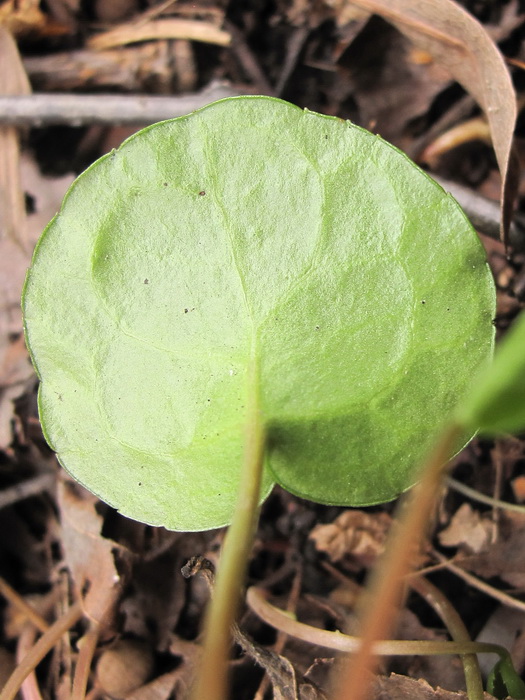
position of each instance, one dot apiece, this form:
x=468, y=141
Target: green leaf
x=496, y=402
x=253, y=227
x=503, y=681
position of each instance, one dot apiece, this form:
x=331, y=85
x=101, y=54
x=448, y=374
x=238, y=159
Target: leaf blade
x=172, y=256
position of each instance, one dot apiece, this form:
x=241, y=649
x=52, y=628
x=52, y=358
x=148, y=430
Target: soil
x=59, y=544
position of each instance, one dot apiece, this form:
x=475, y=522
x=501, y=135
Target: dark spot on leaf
x=186, y=311
x=448, y=309
x=165, y=184
x=140, y=483
x=317, y=328
x=146, y=281
x=422, y=301
x=202, y=193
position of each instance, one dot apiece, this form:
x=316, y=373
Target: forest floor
x=58, y=544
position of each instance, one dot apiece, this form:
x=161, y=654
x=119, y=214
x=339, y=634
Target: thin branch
x=27, y=488
x=482, y=586
x=27, y=610
x=484, y=214
x=482, y=498
x=43, y=109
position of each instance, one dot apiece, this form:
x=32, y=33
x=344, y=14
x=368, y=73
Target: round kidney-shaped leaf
x=253, y=231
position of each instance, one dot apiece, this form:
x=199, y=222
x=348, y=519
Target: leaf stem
x=212, y=680
x=446, y=611
x=338, y=641
x=387, y=583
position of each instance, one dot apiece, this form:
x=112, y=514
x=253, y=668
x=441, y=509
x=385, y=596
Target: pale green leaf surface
x=253, y=226
x=496, y=402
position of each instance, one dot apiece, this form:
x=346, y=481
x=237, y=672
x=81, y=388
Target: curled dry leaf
x=173, y=28
x=467, y=529
x=88, y=555
x=460, y=43
x=354, y=533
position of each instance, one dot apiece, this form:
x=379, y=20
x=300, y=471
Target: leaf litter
x=157, y=607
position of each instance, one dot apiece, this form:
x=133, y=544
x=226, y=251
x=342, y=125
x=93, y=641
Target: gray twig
x=25, y=489
x=43, y=109
x=484, y=213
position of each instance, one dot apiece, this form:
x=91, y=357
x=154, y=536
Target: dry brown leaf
x=278, y=668
x=15, y=370
x=506, y=557
x=467, y=529
x=13, y=81
x=460, y=43
x=354, y=533
x=174, y=28
x=396, y=687
x=88, y=555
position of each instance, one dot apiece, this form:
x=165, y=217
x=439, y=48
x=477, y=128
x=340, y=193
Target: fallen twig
x=23, y=606
x=482, y=586
x=27, y=488
x=44, y=109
